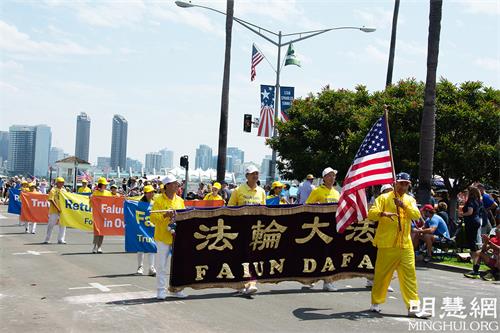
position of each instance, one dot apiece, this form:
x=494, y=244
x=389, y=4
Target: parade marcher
x=275, y=194
x=394, y=212
x=249, y=193
x=147, y=197
x=100, y=191
x=114, y=190
x=325, y=193
x=214, y=195
x=386, y=188
x=170, y=201
x=31, y=226
x=55, y=212
x=84, y=188
x=24, y=188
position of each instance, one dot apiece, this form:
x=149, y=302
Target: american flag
x=372, y=166
x=266, y=111
x=81, y=175
x=257, y=57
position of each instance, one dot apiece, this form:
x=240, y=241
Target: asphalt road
x=66, y=288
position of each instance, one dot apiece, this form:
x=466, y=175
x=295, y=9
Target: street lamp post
x=279, y=44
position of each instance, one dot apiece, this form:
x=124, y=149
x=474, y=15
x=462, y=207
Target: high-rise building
x=153, y=163
x=203, y=157
x=82, y=136
x=4, y=146
x=103, y=162
x=265, y=167
x=21, y=154
x=119, y=143
x=167, y=158
x=55, y=155
x=43, y=141
x=29, y=148
x=135, y=165
x=236, y=153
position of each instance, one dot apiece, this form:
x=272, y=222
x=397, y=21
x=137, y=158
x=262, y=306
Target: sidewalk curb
x=445, y=267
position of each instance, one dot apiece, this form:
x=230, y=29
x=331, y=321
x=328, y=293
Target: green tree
x=326, y=130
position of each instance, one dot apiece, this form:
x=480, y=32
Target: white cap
x=169, y=179
x=251, y=169
x=327, y=171
x=386, y=187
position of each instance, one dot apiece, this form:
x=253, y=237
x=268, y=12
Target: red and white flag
x=257, y=57
x=372, y=166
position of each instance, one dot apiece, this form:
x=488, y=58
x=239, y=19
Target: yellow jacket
x=210, y=196
x=54, y=199
x=388, y=234
x=85, y=189
x=323, y=194
x=161, y=223
x=244, y=195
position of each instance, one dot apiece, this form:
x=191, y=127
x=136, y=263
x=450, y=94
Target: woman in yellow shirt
x=99, y=191
x=214, y=195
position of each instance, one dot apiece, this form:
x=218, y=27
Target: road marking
x=100, y=286
x=35, y=253
x=2, y=217
x=114, y=297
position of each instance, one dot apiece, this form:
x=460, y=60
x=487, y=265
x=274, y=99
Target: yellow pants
x=389, y=260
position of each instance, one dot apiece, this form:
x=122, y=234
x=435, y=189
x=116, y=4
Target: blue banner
x=286, y=99
x=273, y=201
x=139, y=231
x=14, y=201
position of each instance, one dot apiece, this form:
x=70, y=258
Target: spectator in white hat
x=168, y=200
x=249, y=193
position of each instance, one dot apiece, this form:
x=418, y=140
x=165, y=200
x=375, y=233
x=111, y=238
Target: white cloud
x=489, y=7
x=492, y=64
x=377, y=18
x=11, y=66
x=9, y=88
x=376, y=54
x=15, y=41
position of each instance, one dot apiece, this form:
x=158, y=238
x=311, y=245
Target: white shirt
x=305, y=189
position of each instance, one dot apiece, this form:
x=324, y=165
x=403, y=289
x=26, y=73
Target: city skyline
x=82, y=136
x=105, y=58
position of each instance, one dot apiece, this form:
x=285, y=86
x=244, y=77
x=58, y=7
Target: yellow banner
x=75, y=211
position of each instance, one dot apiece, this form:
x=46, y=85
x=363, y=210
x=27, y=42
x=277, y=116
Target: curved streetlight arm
x=319, y=32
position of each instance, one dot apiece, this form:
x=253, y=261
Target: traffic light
x=184, y=161
x=247, y=123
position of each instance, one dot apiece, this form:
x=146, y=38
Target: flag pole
x=386, y=116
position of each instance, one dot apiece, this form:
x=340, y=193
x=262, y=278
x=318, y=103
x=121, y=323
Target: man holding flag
x=394, y=211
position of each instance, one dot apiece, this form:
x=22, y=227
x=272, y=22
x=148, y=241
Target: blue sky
x=160, y=66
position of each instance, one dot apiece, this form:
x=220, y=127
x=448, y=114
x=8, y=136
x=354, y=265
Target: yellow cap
x=217, y=185
x=33, y=184
x=276, y=184
x=59, y=180
x=148, y=188
x=102, y=181
x=161, y=186
x=84, y=181
x=24, y=182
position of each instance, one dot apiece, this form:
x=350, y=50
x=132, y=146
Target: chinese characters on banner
x=226, y=247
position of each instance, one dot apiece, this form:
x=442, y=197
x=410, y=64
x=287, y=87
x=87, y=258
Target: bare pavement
x=66, y=288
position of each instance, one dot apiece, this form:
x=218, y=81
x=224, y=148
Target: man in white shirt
x=305, y=189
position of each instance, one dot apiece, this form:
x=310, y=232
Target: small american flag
x=81, y=175
x=372, y=166
x=257, y=57
x=266, y=124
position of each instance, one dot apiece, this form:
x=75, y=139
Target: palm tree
x=221, y=157
x=428, y=125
